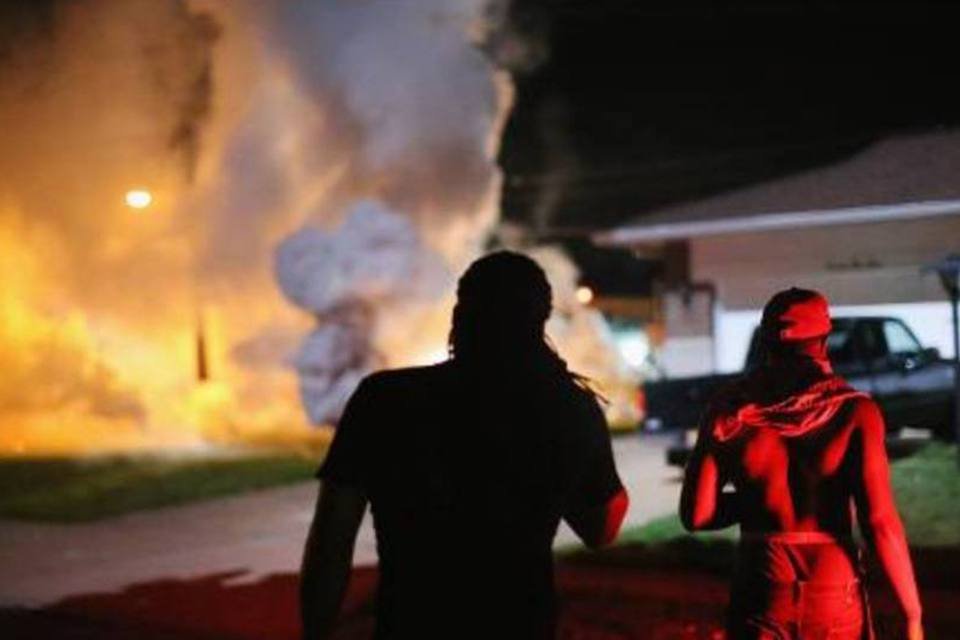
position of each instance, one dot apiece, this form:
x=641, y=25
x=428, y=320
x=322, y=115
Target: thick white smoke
x=372, y=264
x=399, y=105
x=409, y=110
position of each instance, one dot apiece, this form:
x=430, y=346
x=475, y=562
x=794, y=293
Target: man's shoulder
x=387, y=380
x=585, y=398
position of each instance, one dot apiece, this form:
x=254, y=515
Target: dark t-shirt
x=468, y=476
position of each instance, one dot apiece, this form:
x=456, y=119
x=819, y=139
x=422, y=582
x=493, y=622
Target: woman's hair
x=503, y=302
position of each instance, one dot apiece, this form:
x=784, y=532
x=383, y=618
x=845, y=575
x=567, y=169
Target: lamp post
x=141, y=199
x=949, y=271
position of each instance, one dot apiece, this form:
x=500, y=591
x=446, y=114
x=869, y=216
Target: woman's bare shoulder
x=866, y=417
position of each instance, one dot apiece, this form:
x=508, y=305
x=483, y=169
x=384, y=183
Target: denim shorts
x=795, y=610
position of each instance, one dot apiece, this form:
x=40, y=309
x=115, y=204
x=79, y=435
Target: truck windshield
x=840, y=347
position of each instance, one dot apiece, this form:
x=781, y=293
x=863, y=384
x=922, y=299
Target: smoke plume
x=408, y=111
x=374, y=263
x=338, y=155
x=255, y=125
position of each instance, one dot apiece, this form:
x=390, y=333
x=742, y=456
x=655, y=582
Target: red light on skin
x=616, y=512
x=759, y=457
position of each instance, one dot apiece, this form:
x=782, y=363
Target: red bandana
x=798, y=413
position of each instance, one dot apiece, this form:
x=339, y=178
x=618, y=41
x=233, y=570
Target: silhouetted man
x=799, y=446
x=468, y=466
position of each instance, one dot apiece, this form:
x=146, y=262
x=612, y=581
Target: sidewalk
x=248, y=537
x=227, y=570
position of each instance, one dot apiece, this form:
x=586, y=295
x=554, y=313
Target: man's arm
x=327, y=557
x=598, y=501
x=598, y=526
x=877, y=511
x=703, y=504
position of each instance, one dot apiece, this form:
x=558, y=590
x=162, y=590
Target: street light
x=949, y=271
x=138, y=198
x=141, y=199
x=584, y=295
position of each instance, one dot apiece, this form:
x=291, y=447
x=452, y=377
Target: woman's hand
x=914, y=630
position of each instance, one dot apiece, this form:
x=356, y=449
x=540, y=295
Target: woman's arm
x=877, y=512
x=703, y=504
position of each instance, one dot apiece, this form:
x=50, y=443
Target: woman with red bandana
x=801, y=448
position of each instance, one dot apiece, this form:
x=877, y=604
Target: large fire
x=142, y=318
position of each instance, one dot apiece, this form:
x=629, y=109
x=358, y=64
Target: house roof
x=902, y=177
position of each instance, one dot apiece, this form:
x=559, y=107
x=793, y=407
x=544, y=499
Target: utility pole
x=203, y=373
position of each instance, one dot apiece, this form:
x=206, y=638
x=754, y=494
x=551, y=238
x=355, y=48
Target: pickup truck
x=880, y=355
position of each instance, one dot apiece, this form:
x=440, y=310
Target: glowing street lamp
x=138, y=198
x=584, y=295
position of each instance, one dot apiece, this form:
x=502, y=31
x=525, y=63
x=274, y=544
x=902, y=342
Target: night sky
x=638, y=105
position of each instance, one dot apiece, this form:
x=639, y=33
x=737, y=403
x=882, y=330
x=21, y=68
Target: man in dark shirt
x=468, y=466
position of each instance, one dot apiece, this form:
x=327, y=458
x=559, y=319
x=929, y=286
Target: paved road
x=254, y=534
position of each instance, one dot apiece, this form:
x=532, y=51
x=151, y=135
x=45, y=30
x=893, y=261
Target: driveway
x=255, y=535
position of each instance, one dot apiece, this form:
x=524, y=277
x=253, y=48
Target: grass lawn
x=927, y=487
x=67, y=490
